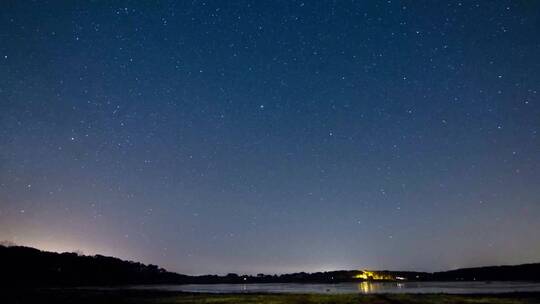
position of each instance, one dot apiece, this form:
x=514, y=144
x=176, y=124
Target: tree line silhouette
x=25, y=266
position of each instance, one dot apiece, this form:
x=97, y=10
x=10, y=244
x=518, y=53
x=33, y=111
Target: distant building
x=375, y=276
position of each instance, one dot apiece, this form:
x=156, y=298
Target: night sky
x=273, y=136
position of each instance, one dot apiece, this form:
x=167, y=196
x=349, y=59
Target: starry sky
x=273, y=136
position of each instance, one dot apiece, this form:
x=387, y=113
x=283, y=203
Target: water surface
x=364, y=287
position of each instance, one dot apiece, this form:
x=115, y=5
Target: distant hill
x=33, y=267
x=524, y=272
x=25, y=266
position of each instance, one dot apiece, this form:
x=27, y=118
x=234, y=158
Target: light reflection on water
x=363, y=287
x=377, y=287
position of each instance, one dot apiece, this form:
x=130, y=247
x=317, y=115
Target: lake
x=364, y=287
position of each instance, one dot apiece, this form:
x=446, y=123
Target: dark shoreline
x=25, y=266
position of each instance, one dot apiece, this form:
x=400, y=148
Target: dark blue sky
x=273, y=136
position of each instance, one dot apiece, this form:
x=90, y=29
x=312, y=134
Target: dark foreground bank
x=95, y=296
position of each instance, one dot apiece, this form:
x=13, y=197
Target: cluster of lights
x=376, y=276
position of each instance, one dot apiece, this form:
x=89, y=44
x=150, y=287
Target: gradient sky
x=273, y=136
